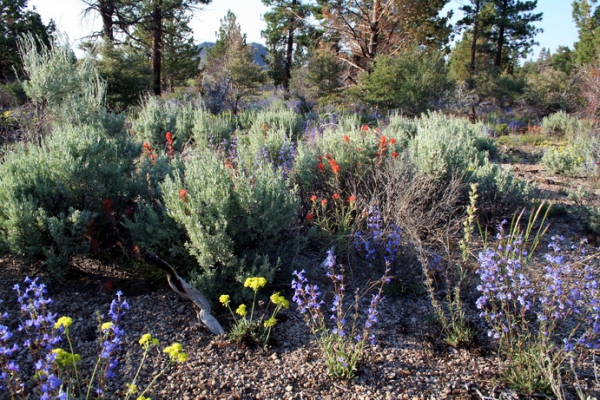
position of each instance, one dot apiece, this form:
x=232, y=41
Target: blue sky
x=559, y=28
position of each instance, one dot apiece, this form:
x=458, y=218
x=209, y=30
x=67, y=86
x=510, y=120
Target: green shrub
x=446, y=146
x=277, y=119
x=234, y=218
x=158, y=116
x=65, y=196
x=70, y=90
x=561, y=124
x=563, y=160
x=210, y=129
x=413, y=81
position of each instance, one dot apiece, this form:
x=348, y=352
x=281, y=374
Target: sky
x=559, y=28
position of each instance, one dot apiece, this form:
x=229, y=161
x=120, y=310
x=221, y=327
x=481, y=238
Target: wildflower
x=395, y=154
x=63, y=322
x=310, y=217
x=147, y=340
x=320, y=157
x=328, y=156
x=392, y=141
x=270, y=322
x=224, y=299
x=313, y=198
x=352, y=199
x=364, y=128
x=321, y=167
x=241, y=310
x=324, y=202
x=255, y=283
x=106, y=326
x=336, y=196
x=278, y=299
x=64, y=358
x=335, y=167
x=169, y=137
x=346, y=139
x=175, y=352
x=183, y=195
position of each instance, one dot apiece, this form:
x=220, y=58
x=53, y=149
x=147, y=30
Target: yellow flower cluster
x=279, y=300
x=255, y=283
x=241, y=310
x=106, y=326
x=224, y=299
x=146, y=341
x=175, y=352
x=63, y=322
x=270, y=322
x=64, y=358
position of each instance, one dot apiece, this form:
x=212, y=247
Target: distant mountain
x=259, y=51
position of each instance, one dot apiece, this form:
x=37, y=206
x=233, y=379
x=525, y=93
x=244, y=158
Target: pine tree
x=15, y=20
x=288, y=36
x=587, y=19
x=230, y=74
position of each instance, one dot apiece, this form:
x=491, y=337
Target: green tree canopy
x=16, y=20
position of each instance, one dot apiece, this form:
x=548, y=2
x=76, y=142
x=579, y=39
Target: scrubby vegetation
x=400, y=181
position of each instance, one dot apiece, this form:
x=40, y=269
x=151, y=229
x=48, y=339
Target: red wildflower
x=313, y=198
x=346, y=139
x=395, y=154
x=364, y=128
x=351, y=199
x=107, y=205
x=183, y=195
x=336, y=196
x=335, y=167
x=320, y=157
x=169, y=137
x=392, y=141
x=328, y=156
x=147, y=147
x=358, y=149
x=310, y=217
x=321, y=167
x=324, y=202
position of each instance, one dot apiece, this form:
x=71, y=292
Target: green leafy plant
x=254, y=327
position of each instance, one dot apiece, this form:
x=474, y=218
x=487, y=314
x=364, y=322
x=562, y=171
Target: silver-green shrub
x=562, y=124
x=445, y=146
x=233, y=216
x=210, y=129
x=157, y=117
x=60, y=198
x=70, y=90
x=276, y=118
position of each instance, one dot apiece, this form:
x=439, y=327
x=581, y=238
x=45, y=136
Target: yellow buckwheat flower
x=106, y=326
x=255, y=283
x=147, y=340
x=224, y=299
x=64, y=322
x=64, y=358
x=270, y=322
x=241, y=310
x=175, y=352
x=131, y=388
x=143, y=398
x=278, y=299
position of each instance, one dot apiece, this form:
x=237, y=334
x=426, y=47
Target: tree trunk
x=107, y=10
x=500, y=42
x=374, y=31
x=287, y=68
x=475, y=34
x=156, y=47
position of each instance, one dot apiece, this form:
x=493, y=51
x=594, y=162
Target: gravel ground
x=407, y=363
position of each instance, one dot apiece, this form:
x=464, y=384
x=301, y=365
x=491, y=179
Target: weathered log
x=188, y=292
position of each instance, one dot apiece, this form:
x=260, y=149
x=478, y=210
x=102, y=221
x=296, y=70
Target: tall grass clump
x=234, y=216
